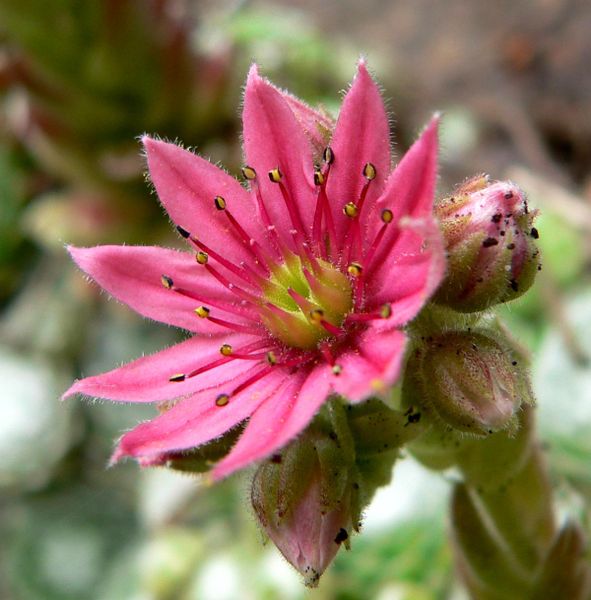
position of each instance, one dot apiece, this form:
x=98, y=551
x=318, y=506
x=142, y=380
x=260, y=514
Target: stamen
x=337, y=370
x=271, y=358
x=167, y=282
x=316, y=315
x=355, y=269
x=328, y=155
x=232, y=287
x=226, y=350
x=177, y=378
x=202, y=312
x=332, y=329
x=258, y=376
x=233, y=326
x=318, y=178
x=325, y=350
x=387, y=215
x=351, y=210
x=201, y=257
x=385, y=312
x=249, y=173
x=220, y=203
x=183, y=231
x=275, y=175
x=222, y=400
x=369, y=171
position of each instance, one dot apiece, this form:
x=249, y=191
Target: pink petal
x=197, y=420
x=133, y=275
x=362, y=135
x=274, y=139
x=147, y=379
x=409, y=195
x=187, y=185
x=373, y=366
x=280, y=418
x=416, y=266
x=317, y=125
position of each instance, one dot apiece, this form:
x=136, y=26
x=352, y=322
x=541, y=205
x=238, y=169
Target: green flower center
x=306, y=304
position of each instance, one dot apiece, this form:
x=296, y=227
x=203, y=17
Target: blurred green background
x=79, y=81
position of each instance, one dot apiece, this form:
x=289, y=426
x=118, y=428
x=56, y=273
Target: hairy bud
x=309, y=497
x=490, y=241
x=468, y=380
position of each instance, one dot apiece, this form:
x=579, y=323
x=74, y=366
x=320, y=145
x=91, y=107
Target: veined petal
x=147, y=379
x=274, y=139
x=280, y=418
x=187, y=185
x=362, y=135
x=133, y=274
x=197, y=420
x=373, y=366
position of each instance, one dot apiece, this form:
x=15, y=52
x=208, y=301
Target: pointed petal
x=133, y=275
x=147, y=379
x=362, y=135
x=274, y=139
x=317, y=124
x=409, y=195
x=197, y=420
x=279, y=419
x=415, y=268
x=373, y=367
x=187, y=185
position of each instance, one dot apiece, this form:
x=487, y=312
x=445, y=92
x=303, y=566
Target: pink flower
x=295, y=289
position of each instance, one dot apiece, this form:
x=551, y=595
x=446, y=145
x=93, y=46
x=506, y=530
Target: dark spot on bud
x=534, y=233
x=502, y=232
x=514, y=363
x=341, y=536
x=491, y=241
x=539, y=267
x=508, y=195
x=355, y=485
x=276, y=459
x=497, y=218
x=514, y=285
x=414, y=418
x=511, y=246
x=182, y=231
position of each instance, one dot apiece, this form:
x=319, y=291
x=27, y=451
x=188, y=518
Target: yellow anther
x=201, y=257
x=337, y=369
x=387, y=215
x=318, y=178
x=202, y=311
x=355, y=269
x=369, y=171
x=328, y=155
x=177, y=377
x=271, y=358
x=226, y=350
x=275, y=175
x=386, y=311
x=350, y=209
x=249, y=173
x=166, y=281
x=316, y=315
x=222, y=400
x=220, y=203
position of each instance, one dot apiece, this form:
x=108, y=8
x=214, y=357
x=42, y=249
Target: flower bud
x=468, y=380
x=309, y=497
x=302, y=498
x=490, y=242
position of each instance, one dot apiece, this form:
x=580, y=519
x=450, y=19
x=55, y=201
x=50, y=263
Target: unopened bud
x=490, y=242
x=309, y=496
x=302, y=498
x=469, y=380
